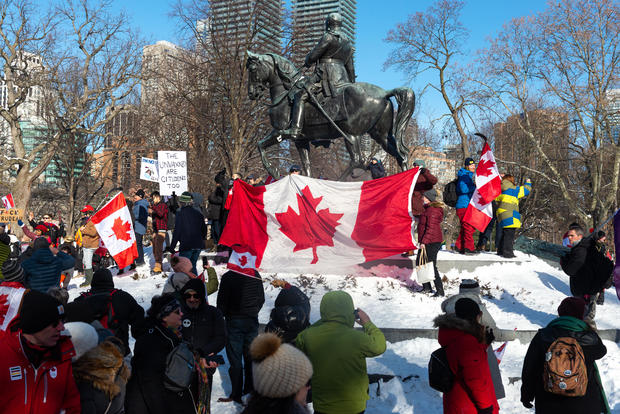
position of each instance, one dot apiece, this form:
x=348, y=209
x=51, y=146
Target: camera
x=205, y=261
x=356, y=314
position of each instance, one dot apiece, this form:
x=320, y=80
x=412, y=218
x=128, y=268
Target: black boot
x=297, y=120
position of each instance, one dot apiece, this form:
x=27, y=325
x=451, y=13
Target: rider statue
x=334, y=57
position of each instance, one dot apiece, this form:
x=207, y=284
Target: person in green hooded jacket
x=338, y=354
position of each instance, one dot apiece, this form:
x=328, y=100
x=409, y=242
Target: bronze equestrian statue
x=328, y=104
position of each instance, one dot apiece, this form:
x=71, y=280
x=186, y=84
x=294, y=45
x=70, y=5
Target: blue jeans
x=241, y=332
x=192, y=255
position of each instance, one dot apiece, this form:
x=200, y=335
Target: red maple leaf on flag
x=309, y=228
x=4, y=307
x=485, y=167
x=243, y=260
x=121, y=230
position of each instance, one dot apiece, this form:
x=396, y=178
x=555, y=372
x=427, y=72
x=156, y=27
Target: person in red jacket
x=37, y=376
x=430, y=236
x=465, y=341
x=425, y=182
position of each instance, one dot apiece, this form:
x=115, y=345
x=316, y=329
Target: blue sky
x=374, y=18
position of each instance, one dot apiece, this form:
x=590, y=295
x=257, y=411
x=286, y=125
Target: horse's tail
x=405, y=98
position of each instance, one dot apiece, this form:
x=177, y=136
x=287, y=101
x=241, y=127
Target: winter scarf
x=571, y=323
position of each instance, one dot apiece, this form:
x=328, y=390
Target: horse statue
x=359, y=108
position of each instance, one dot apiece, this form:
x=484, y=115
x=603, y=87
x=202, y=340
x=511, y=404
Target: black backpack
x=440, y=376
x=102, y=309
x=449, y=194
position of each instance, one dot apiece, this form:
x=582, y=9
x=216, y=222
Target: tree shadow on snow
x=554, y=283
x=509, y=304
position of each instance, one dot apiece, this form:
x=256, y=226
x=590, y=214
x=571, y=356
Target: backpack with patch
x=449, y=194
x=564, y=371
x=180, y=368
x=440, y=376
x=103, y=311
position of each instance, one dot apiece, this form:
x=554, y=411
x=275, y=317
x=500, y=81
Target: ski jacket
x=465, y=187
x=508, y=204
x=43, y=269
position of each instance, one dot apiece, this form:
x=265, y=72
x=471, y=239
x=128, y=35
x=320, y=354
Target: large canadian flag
x=301, y=224
x=488, y=187
x=113, y=223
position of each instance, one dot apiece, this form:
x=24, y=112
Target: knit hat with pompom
x=279, y=370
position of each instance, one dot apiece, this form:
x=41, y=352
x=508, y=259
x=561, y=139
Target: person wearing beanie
x=83, y=337
x=569, y=324
x=281, y=376
x=338, y=354
x=140, y=211
x=291, y=313
x=13, y=272
x=37, y=361
x=465, y=342
x=146, y=390
x=203, y=327
x=42, y=270
x=103, y=300
x=5, y=250
x=190, y=231
x=430, y=237
x=465, y=187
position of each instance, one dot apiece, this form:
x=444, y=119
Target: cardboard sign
x=149, y=170
x=172, y=172
x=10, y=214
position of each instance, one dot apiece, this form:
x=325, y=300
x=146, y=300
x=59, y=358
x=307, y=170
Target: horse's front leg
x=273, y=138
x=303, y=148
x=355, y=152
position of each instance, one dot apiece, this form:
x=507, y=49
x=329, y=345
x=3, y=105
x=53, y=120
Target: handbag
x=425, y=271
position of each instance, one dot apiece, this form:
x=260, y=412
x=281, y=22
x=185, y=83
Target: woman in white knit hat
x=281, y=375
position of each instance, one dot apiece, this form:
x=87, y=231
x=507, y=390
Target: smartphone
x=356, y=314
x=205, y=261
x=218, y=359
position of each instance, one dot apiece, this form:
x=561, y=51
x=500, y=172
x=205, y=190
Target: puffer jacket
x=101, y=376
x=429, y=227
x=43, y=269
x=508, y=203
x=338, y=354
x=467, y=356
x=465, y=187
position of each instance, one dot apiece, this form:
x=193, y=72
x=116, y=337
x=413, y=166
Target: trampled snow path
x=522, y=296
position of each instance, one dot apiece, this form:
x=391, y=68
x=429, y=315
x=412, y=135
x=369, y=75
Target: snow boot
x=157, y=268
x=88, y=277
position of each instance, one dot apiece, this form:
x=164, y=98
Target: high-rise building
x=309, y=21
x=255, y=25
x=613, y=113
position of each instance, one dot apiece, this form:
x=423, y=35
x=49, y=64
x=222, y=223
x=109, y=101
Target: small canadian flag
x=242, y=261
x=8, y=202
x=113, y=223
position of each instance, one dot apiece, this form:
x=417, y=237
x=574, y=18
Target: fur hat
x=12, y=271
x=467, y=309
x=83, y=336
x=279, y=370
x=39, y=311
x=575, y=307
x=103, y=367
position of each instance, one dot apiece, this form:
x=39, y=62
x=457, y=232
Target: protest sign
x=10, y=214
x=172, y=172
x=148, y=170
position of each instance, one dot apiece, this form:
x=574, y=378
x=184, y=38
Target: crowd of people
x=77, y=357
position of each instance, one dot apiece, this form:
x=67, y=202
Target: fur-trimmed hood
x=104, y=368
x=449, y=321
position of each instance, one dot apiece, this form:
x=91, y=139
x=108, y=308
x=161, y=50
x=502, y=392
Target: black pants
x=507, y=242
x=431, y=252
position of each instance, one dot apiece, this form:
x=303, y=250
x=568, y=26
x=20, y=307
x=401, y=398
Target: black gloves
x=423, y=170
x=490, y=336
x=527, y=404
x=488, y=410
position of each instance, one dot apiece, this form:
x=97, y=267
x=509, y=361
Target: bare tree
x=431, y=41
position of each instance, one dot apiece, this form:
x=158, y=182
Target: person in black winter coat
x=203, y=327
x=146, y=392
x=126, y=311
x=214, y=211
x=376, y=168
x=291, y=313
x=189, y=230
x=240, y=298
x=569, y=324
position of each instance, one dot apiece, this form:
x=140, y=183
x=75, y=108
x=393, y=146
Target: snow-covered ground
x=523, y=296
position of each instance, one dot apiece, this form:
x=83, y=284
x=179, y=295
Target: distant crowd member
x=240, y=299
x=338, y=354
x=465, y=187
x=424, y=183
x=90, y=243
x=565, y=239
x=36, y=361
x=577, y=387
x=44, y=267
x=589, y=270
x=465, y=341
x=140, y=216
x=5, y=249
x=294, y=170
x=216, y=205
x=600, y=238
x=190, y=230
x=508, y=212
x=291, y=312
x=281, y=375
x=430, y=237
x=159, y=214
x=146, y=390
x=376, y=168
x=203, y=326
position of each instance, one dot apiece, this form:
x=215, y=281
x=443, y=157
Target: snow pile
x=522, y=294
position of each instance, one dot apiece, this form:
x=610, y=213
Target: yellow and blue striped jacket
x=508, y=208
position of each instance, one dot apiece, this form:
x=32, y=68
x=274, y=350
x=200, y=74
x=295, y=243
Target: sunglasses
x=192, y=295
x=46, y=218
